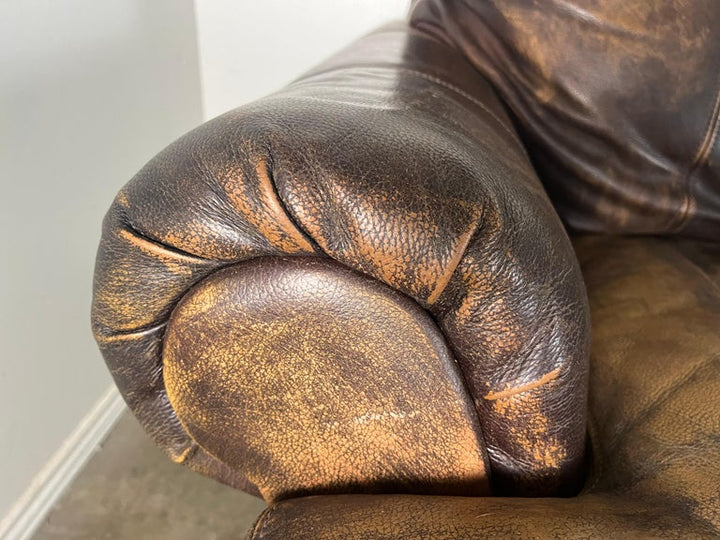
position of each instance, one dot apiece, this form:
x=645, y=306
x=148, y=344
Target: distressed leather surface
x=618, y=102
x=312, y=378
x=654, y=418
x=396, y=160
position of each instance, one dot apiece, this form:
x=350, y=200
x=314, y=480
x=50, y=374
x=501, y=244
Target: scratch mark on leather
x=370, y=417
x=491, y=396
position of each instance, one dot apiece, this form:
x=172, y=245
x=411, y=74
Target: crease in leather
x=110, y=336
x=653, y=183
x=628, y=497
x=283, y=204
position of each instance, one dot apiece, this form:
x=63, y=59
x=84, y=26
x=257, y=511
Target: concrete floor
x=131, y=490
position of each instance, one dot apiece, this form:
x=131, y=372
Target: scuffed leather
x=311, y=378
x=654, y=417
x=395, y=159
x=618, y=102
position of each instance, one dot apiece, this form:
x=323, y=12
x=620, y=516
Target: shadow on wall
x=90, y=91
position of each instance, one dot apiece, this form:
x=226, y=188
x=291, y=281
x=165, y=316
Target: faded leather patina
x=618, y=102
x=306, y=375
x=395, y=160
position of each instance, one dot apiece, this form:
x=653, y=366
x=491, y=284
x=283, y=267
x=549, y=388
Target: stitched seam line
x=430, y=78
x=701, y=157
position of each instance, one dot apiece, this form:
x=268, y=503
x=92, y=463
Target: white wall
x=89, y=91
x=249, y=48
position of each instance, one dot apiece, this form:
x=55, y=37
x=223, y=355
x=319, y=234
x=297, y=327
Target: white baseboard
x=43, y=492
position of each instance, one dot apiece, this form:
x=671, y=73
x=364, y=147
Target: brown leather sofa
x=357, y=298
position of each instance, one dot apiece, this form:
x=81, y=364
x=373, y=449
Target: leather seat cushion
x=654, y=422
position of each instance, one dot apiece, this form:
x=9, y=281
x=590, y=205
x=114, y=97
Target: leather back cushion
x=617, y=102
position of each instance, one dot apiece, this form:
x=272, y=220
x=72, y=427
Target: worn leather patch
x=309, y=378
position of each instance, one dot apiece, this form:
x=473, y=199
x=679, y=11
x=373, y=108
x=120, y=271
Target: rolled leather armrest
x=356, y=284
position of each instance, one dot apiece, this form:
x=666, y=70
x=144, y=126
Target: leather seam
x=260, y=522
x=466, y=95
x=700, y=158
x=713, y=285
